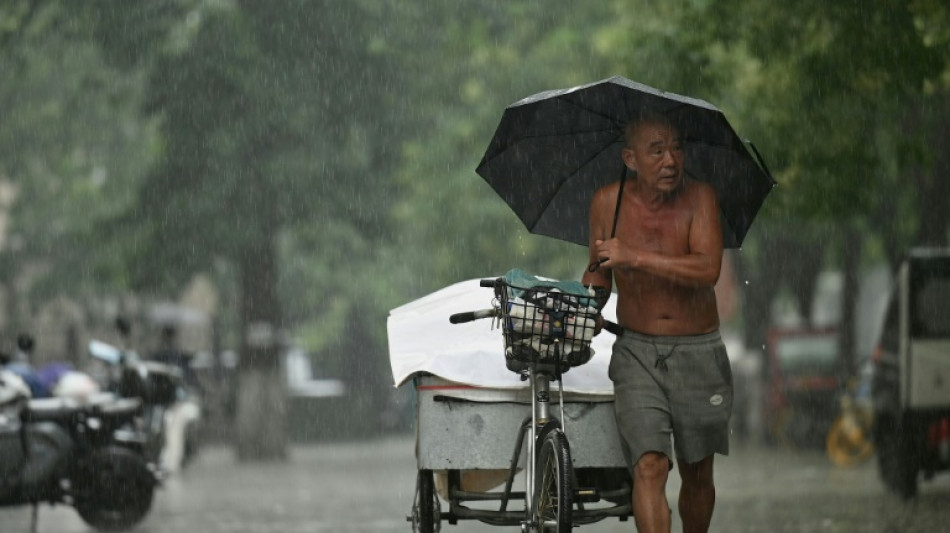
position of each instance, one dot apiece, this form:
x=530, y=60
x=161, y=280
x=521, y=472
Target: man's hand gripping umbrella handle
x=596, y=264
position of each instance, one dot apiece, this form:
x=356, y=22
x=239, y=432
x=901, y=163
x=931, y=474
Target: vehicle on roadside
x=802, y=386
x=79, y=452
x=156, y=385
x=316, y=402
x=170, y=414
x=304, y=380
x=911, y=381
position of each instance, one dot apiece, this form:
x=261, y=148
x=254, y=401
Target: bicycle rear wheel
x=426, y=515
x=554, y=485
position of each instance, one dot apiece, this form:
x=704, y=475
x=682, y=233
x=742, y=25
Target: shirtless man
x=671, y=374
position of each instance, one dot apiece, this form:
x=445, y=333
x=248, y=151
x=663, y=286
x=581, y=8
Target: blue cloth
x=38, y=389
x=520, y=279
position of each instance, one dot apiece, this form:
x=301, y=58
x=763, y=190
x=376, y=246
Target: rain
x=214, y=214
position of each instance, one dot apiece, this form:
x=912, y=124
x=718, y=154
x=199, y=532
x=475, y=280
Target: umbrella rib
x=616, y=124
x=697, y=140
x=552, y=135
x=579, y=168
x=589, y=110
x=628, y=113
x=559, y=134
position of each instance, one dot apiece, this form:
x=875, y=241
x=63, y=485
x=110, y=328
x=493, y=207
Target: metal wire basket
x=544, y=325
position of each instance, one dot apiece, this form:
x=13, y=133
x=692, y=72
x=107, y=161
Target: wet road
x=367, y=487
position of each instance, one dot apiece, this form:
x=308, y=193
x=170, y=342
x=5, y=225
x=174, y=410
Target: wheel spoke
x=426, y=512
x=554, y=482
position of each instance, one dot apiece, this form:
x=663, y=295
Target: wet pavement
x=368, y=486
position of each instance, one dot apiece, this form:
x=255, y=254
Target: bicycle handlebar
x=468, y=316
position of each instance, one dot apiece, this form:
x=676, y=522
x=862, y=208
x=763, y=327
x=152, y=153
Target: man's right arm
x=601, y=277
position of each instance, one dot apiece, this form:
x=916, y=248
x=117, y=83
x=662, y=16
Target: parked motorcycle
x=169, y=414
x=57, y=379
x=58, y=450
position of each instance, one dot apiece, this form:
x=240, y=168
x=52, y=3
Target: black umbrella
x=552, y=150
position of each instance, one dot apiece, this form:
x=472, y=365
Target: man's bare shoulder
x=607, y=193
x=699, y=192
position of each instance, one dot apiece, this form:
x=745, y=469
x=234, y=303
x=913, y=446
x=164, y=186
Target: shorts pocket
x=725, y=367
x=610, y=366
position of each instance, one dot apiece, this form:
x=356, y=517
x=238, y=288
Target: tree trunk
x=759, y=282
x=805, y=260
x=849, y=300
x=364, y=371
x=261, y=397
x=933, y=185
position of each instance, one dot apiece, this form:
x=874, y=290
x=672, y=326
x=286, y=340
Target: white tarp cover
x=421, y=339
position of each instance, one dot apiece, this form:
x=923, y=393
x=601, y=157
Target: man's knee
x=652, y=466
x=698, y=473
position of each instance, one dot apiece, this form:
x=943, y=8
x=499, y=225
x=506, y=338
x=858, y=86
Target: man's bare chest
x=664, y=230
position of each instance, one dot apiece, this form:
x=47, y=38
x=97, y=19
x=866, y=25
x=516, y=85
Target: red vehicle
x=802, y=386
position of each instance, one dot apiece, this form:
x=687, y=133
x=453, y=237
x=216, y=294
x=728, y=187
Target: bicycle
x=546, y=332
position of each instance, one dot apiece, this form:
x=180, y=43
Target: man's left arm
x=699, y=267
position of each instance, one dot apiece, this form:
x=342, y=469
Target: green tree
x=72, y=144
x=318, y=158
x=484, y=56
x=271, y=120
x=852, y=74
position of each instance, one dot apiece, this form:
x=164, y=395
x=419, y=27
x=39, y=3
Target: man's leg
x=697, y=495
x=651, y=510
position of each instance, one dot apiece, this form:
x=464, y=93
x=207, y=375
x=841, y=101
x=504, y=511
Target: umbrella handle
x=613, y=327
x=623, y=181
x=613, y=231
x=596, y=264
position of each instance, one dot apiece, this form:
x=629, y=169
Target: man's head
x=654, y=151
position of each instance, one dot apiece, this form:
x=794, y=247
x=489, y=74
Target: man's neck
x=654, y=199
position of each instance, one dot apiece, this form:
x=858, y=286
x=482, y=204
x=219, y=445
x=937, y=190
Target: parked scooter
x=167, y=414
x=58, y=450
x=183, y=418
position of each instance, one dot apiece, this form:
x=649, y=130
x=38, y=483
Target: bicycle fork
x=540, y=416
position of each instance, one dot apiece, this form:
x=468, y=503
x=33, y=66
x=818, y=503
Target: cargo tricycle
x=536, y=456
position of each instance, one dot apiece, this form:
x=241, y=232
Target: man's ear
x=628, y=159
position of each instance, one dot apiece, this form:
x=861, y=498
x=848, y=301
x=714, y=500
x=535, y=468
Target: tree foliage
x=72, y=147
x=150, y=141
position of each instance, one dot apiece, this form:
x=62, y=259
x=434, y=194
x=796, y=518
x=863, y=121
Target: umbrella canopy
x=554, y=149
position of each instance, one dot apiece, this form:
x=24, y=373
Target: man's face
x=655, y=152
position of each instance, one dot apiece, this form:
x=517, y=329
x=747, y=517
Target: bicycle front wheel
x=554, y=485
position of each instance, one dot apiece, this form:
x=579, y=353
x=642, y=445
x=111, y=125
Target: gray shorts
x=679, y=387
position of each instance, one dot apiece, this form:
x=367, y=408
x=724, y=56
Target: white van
x=911, y=380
